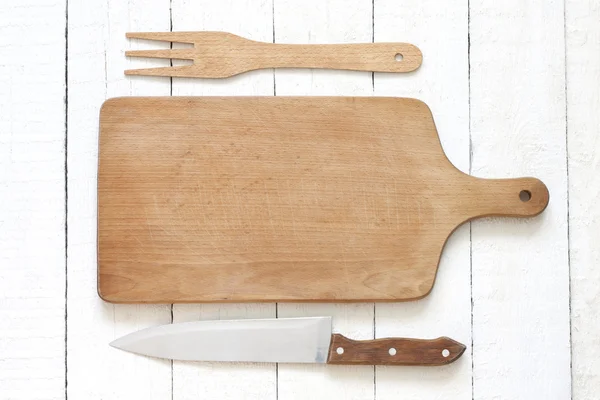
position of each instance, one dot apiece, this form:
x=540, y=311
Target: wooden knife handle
x=394, y=351
x=376, y=57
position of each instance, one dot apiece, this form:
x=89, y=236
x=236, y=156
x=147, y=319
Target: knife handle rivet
x=339, y=350
x=445, y=353
x=392, y=351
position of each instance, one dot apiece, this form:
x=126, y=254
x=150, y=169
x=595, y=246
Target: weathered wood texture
x=32, y=199
x=520, y=268
x=254, y=20
x=95, y=72
x=583, y=127
x=440, y=30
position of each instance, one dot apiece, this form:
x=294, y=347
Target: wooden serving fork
x=222, y=54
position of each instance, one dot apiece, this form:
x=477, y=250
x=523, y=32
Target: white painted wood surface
x=520, y=267
x=583, y=127
x=514, y=88
x=32, y=199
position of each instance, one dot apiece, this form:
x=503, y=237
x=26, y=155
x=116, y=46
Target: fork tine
x=178, y=54
x=181, y=71
x=180, y=37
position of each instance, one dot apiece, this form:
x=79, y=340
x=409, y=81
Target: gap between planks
x=66, y=149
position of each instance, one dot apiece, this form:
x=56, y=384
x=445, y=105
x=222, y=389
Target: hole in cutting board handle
x=525, y=196
x=398, y=57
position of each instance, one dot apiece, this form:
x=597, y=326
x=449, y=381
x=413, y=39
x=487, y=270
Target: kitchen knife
x=283, y=340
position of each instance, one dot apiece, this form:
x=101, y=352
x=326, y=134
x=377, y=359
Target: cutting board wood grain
x=248, y=199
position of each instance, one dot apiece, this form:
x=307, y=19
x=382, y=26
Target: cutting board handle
x=519, y=197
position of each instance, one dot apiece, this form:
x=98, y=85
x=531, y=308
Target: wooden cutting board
x=246, y=199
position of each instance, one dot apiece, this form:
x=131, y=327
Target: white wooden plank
x=440, y=30
x=96, y=64
x=520, y=267
x=336, y=21
x=32, y=199
x=253, y=20
x=583, y=127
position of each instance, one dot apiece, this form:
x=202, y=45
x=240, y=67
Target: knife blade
x=283, y=340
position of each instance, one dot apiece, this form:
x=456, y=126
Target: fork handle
x=375, y=57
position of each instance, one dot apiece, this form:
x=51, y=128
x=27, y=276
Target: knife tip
x=117, y=344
